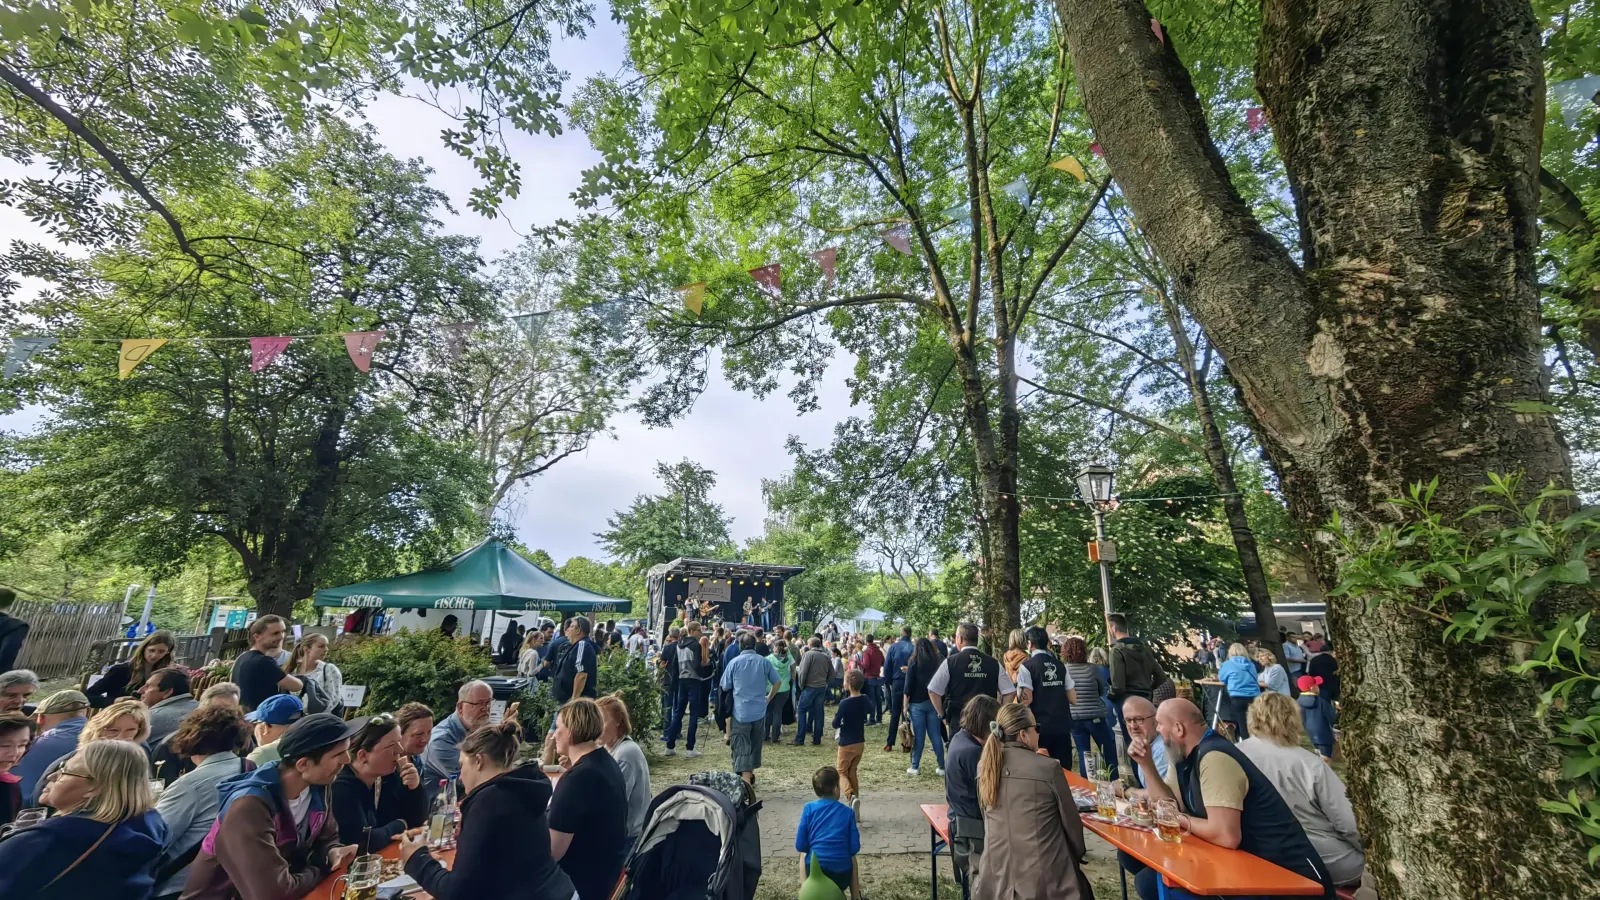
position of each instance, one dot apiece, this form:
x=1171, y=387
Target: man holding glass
x=1222, y=797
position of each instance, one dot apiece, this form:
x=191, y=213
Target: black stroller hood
x=672, y=859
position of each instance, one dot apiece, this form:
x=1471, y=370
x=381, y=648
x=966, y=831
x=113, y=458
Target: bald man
x=1223, y=797
x=1140, y=714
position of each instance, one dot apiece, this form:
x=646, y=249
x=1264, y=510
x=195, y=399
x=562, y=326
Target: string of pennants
x=770, y=277
x=264, y=351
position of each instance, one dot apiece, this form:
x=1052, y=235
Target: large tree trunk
x=1410, y=132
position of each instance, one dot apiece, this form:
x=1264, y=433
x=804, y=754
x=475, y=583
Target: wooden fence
x=60, y=633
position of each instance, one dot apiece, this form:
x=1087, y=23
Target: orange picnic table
x=938, y=816
x=325, y=890
x=1198, y=866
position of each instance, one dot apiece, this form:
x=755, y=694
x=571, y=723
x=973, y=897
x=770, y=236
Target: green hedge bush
x=410, y=666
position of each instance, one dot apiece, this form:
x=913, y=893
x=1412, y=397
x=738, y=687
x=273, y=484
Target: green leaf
x=1575, y=767
x=1531, y=406
x=1573, y=571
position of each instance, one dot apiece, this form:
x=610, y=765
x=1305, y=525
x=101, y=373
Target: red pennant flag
x=1256, y=118
x=1095, y=149
x=829, y=261
x=360, y=344
x=1155, y=28
x=769, y=277
x=263, y=350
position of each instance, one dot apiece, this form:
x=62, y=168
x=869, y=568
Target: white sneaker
x=913, y=771
x=669, y=752
x=939, y=771
x=691, y=754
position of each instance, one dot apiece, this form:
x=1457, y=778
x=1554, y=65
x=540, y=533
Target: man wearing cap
x=62, y=716
x=272, y=720
x=274, y=835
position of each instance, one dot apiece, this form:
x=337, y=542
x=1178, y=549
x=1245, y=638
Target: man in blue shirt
x=61, y=720
x=894, y=666
x=753, y=682
x=1295, y=656
x=1140, y=714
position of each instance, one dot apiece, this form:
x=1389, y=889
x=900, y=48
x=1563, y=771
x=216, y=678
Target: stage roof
x=683, y=567
x=489, y=576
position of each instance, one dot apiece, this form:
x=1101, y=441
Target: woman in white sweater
x=307, y=663
x=1310, y=786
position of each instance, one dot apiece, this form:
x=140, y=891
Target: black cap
x=314, y=732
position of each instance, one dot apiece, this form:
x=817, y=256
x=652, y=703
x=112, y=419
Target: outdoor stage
x=717, y=590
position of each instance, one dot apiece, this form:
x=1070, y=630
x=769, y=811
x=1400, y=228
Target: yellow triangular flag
x=136, y=351
x=694, y=297
x=1070, y=165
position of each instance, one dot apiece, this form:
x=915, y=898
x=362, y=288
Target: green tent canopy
x=490, y=576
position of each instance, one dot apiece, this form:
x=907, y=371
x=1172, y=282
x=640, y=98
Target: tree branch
x=1128, y=414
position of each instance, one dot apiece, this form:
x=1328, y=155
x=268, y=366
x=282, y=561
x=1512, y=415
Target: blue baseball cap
x=279, y=709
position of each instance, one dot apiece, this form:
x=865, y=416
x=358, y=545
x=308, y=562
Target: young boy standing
x=851, y=722
x=828, y=831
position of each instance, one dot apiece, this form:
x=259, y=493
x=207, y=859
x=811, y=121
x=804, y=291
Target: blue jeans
x=691, y=699
x=775, y=715
x=1100, y=730
x=809, y=712
x=925, y=725
x=875, y=694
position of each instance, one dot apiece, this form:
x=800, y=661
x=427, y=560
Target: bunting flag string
x=1018, y=190
x=135, y=351
x=1575, y=95
x=961, y=212
x=1072, y=167
x=1070, y=501
x=263, y=350
x=1096, y=150
x=828, y=259
x=769, y=277
x=1155, y=28
x=1255, y=118
x=24, y=349
x=694, y=297
x=360, y=344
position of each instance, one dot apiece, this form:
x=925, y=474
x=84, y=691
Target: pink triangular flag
x=829, y=261
x=360, y=344
x=1155, y=28
x=1095, y=149
x=263, y=350
x=898, y=237
x=1256, y=118
x=769, y=277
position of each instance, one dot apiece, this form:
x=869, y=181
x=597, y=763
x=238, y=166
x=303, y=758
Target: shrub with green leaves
x=633, y=677
x=410, y=666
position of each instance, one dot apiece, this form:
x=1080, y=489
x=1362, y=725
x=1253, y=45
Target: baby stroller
x=701, y=841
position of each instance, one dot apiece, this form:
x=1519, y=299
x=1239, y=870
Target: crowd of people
x=252, y=789
x=135, y=789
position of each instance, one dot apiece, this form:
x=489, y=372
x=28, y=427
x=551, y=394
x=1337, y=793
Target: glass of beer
x=1169, y=825
x=1139, y=808
x=1105, y=795
x=26, y=818
x=361, y=880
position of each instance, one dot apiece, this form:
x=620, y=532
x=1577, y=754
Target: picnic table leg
x=1161, y=886
x=933, y=860
x=1124, y=873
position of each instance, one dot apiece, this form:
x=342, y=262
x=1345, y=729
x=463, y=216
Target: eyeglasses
x=66, y=771
x=478, y=702
x=1138, y=720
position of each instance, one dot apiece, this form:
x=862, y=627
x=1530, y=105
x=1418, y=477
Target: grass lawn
x=785, y=767
x=905, y=877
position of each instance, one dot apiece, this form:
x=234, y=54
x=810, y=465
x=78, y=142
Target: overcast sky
x=739, y=437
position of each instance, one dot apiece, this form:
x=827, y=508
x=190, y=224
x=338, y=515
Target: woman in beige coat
x=1033, y=838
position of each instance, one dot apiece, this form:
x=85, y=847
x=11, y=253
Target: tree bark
x=1410, y=133
x=1216, y=453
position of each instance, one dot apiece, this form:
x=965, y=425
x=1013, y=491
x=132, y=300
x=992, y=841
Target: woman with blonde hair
x=1238, y=676
x=1016, y=654
x=309, y=663
x=1312, y=789
x=1273, y=677
x=104, y=843
x=124, y=720
x=124, y=679
x=589, y=815
x=1033, y=838
x=617, y=738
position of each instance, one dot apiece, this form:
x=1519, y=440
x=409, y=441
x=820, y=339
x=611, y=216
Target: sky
x=561, y=510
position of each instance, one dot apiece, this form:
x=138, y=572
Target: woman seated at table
x=363, y=797
x=589, y=816
x=1033, y=838
x=503, y=850
x=106, y=840
x=1312, y=789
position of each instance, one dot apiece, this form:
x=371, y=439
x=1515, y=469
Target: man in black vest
x=1044, y=686
x=579, y=668
x=966, y=674
x=1224, y=797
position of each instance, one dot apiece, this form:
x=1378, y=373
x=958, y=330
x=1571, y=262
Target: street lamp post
x=1094, y=486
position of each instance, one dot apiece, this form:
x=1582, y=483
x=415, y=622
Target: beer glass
x=361, y=880
x=1105, y=795
x=1170, y=826
x=1139, y=808
x=26, y=818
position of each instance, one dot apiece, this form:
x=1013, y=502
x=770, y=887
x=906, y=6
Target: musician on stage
x=749, y=610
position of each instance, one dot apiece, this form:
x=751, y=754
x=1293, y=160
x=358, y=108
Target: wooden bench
x=938, y=816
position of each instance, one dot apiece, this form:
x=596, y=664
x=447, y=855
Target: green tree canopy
x=682, y=521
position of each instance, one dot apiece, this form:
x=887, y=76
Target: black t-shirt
x=591, y=804
x=257, y=676
x=582, y=657
x=851, y=720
